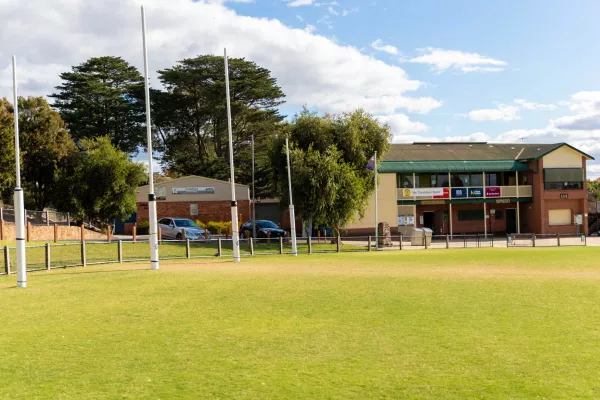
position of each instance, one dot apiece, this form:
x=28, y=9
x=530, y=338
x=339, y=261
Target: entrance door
x=511, y=220
x=429, y=219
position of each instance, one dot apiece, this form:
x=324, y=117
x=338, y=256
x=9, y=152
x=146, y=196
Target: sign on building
x=193, y=210
x=458, y=193
x=492, y=191
x=194, y=190
x=436, y=193
x=475, y=192
x=160, y=192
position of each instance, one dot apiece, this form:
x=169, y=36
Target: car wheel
x=178, y=237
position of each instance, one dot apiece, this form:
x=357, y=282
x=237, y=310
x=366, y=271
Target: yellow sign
x=406, y=192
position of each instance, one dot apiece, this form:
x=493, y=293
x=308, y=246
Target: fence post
x=268, y=237
x=159, y=235
x=120, y=251
x=584, y=239
x=280, y=245
x=7, y=260
x=68, y=219
x=1, y=228
x=447, y=241
x=558, y=239
x=47, y=218
x=188, y=255
x=400, y=241
x=492, y=236
x=55, y=233
x=533, y=239
x=28, y=231
x=425, y=239
x=82, y=234
x=309, y=242
x=338, y=244
x=134, y=231
x=465, y=240
x=1, y=214
x=251, y=244
x=109, y=232
x=477, y=240
x=48, y=256
x=220, y=249
x=83, y=257
x=369, y=245
x=318, y=236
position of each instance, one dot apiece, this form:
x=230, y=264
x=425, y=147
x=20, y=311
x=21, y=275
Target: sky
x=443, y=70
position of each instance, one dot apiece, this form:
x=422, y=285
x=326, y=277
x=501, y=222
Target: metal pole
x=234, y=213
x=153, y=229
x=376, y=201
x=253, y=194
x=18, y=199
x=292, y=212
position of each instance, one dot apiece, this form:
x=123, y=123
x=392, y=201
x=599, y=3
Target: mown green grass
x=481, y=323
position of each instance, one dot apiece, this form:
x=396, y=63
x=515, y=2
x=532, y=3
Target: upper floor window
x=563, y=178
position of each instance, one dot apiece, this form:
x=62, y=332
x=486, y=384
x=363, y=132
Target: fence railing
x=48, y=217
x=61, y=255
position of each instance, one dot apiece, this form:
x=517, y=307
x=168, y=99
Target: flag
x=371, y=164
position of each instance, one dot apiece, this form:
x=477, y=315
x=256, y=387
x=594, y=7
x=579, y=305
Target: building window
x=460, y=180
x=563, y=178
x=404, y=181
x=442, y=180
x=559, y=217
x=510, y=179
x=470, y=215
x=477, y=179
x=424, y=181
x=493, y=179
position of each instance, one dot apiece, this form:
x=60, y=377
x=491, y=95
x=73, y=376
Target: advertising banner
x=458, y=193
x=475, y=192
x=493, y=191
x=194, y=190
x=436, y=193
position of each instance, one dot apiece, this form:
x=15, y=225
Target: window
x=523, y=179
x=493, y=179
x=477, y=179
x=559, y=217
x=470, y=215
x=510, y=179
x=423, y=180
x=165, y=221
x=404, y=181
x=460, y=180
x=442, y=180
x=563, y=178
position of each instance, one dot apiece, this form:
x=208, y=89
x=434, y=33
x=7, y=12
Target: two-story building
x=489, y=188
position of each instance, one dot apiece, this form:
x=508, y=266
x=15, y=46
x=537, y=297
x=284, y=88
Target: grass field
x=481, y=323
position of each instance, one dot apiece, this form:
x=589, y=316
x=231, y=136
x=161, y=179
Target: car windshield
x=185, y=223
x=266, y=225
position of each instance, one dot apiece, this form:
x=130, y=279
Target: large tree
x=191, y=118
x=329, y=155
x=44, y=143
x=98, y=182
x=7, y=149
x=103, y=96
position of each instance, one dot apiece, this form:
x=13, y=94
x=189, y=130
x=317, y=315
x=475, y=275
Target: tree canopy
x=329, y=156
x=7, y=149
x=191, y=118
x=99, y=182
x=103, y=96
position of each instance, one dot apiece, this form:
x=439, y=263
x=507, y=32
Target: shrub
x=201, y=224
x=218, y=227
x=143, y=228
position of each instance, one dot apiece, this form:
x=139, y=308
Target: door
x=429, y=220
x=511, y=220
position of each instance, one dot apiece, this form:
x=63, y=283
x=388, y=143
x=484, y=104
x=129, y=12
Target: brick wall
x=46, y=233
x=207, y=210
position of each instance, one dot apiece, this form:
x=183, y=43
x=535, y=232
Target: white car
x=174, y=228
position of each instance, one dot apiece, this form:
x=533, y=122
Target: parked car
x=172, y=229
x=263, y=227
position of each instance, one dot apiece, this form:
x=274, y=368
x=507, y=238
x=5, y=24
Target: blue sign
x=475, y=192
x=457, y=193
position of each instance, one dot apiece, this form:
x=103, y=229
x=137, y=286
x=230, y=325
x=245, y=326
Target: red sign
x=492, y=192
x=446, y=194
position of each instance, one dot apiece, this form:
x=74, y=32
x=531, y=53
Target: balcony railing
x=465, y=192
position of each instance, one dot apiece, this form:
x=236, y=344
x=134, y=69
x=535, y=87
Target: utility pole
x=18, y=197
x=292, y=212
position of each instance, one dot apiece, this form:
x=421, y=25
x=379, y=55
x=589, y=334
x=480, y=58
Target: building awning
x=451, y=166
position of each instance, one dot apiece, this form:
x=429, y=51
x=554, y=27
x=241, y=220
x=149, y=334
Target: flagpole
x=376, y=203
x=151, y=196
x=292, y=212
x=18, y=196
x=235, y=236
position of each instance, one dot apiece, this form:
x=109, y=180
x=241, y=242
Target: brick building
x=486, y=188
x=194, y=197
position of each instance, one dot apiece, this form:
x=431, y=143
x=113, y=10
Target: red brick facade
x=207, y=210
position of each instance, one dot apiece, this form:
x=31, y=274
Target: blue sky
x=434, y=70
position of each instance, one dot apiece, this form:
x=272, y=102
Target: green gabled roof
x=451, y=166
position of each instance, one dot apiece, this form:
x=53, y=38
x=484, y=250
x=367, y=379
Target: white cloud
x=311, y=69
x=379, y=45
x=299, y=3
x=332, y=11
x=400, y=125
x=473, y=137
x=528, y=105
x=442, y=60
x=310, y=28
x=345, y=12
x=502, y=113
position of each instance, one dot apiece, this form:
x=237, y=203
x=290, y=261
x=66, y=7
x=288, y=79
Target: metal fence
x=48, y=217
x=62, y=255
